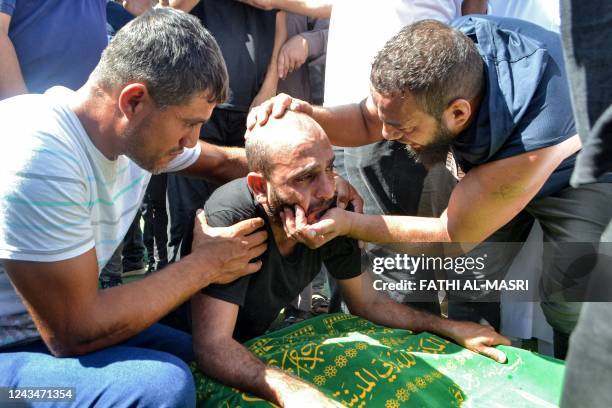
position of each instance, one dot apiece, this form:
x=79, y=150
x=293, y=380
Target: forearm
x=11, y=80
x=269, y=87
x=474, y=7
x=280, y=37
x=347, y=125
x=317, y=42
x=185, y=5
x=311, y=8
x=386, y=312
x=118, y=313
x=243, y=370
x=398, y=228
x=218, y=164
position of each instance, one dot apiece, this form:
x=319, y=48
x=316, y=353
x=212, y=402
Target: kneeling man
x=291, y=163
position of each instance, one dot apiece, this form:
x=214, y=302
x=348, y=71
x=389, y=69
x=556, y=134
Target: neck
x=285, y=244
x=95, y=110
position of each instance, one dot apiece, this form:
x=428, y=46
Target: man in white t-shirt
x=74, y=168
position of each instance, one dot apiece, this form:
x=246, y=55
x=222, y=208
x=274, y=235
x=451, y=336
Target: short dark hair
x=258, y=156
x=433, y=62
x=171, y=52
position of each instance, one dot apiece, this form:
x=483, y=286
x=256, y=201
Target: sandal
x=319, y=304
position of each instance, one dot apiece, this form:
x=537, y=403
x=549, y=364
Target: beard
x=136, y=141
x=436, y=151
x=277, y=204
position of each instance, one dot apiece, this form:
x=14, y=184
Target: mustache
x=176, y=150
x=322, y=205
x=315, y=207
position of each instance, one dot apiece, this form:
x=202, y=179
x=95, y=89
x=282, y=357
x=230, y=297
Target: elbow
x=66, y=346
x=361, y=308
x=80, y=339
x=227, y=165
x=63, y=341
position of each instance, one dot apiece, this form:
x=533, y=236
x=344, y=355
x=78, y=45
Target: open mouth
x=315, y=214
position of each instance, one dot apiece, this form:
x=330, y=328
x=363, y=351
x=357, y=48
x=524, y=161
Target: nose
x=191, y=138
x=326, y=187
x=390, y=133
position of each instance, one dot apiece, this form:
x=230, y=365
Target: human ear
x=133, y=100
x=258, y=184
x=457, y=115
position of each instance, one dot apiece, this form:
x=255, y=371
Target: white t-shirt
x=59, y=195
x=359, y=29
x=544, y=13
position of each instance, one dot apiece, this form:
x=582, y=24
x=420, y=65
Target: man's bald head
x=279, y=136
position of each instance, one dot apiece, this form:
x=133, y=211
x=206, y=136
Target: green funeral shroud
x=361, y=364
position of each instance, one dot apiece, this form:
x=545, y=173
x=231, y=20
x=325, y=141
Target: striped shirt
x=59, y=195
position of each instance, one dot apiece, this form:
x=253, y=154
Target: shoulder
x=505, y=38
x=231, y=203
x=41, y=135
x=7, y=6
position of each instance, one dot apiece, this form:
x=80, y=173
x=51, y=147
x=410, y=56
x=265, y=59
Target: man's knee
x=562, y=316
x=141, y=378
x=165, y=383
x=117, y=376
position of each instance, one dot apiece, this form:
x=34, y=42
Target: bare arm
x=138, y=7
x=346, y=125
x=221, y=357
x=474, y=7
x=303, y=47
x=270, y=84
x=185, y=5
x=487, y=198
x=350, y=125
x=218, y=164
x=362, y=300
x=311, y=8
x=11, y=79
x=74, y=317
x=377, y=307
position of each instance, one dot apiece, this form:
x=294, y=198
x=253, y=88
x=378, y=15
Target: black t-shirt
x=245, y=35
x=526, y=105
x=262, y=295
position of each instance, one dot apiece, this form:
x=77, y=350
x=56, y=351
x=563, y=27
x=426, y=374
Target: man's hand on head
x=276, y=107
x=479, y=339
x=228, y=251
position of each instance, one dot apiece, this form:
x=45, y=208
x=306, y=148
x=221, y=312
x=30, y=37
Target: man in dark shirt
x=291, y=163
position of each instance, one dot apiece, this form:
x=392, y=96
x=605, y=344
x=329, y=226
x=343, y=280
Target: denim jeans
x=148, y=370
